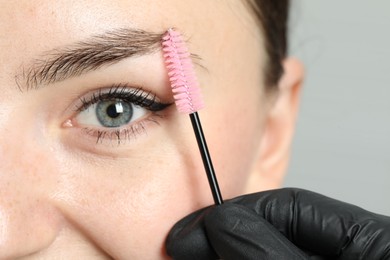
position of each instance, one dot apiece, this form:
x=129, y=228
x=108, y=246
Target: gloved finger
x=236, y=232
x=188, y=240
x=323, y=225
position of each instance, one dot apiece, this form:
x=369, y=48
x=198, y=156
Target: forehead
x=28, y=29
x=38, y=25
x=57, y=18
x=28, y=25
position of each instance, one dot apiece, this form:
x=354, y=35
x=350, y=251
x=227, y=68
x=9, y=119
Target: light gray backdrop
x=342, y=141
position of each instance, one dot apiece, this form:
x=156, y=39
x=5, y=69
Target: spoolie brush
x=188, y=99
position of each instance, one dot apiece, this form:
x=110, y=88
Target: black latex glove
x=281, y=224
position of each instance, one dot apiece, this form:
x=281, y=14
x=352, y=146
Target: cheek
x=129, y=205
x=234, y=114
x=233, y=89
x=234, y=128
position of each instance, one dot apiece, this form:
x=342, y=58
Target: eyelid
x=137, y=96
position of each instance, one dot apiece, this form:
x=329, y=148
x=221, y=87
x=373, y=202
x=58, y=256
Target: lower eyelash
x=121, y=135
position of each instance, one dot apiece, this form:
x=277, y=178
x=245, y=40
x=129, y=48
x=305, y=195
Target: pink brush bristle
x=185, y=86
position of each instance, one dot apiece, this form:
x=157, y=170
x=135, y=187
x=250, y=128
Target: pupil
x=112, y=111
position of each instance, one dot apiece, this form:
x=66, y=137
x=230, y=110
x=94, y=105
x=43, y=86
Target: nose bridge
x=28, y=222
x=17, y=146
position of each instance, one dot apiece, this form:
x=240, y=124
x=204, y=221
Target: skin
x=65, y=196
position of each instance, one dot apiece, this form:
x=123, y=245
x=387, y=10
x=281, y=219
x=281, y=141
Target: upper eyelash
x=125, y=92
x=136, y=96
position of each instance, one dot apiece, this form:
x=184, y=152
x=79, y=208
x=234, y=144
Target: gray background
x=342, y=141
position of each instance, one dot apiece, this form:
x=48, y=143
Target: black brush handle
x=208, y=165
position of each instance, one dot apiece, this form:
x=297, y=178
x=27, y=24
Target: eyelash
x=123, y=92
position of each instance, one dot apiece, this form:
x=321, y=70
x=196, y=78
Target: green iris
x=114, y=113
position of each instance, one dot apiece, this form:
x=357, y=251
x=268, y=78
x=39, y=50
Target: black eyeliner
x=137, y=96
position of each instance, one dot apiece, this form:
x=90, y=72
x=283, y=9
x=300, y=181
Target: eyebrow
x=84, y=56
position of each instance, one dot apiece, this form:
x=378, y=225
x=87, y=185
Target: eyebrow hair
x=91, y=54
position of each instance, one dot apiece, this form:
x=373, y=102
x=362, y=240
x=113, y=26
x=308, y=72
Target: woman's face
x=80, y=181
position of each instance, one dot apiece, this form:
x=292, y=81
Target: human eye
x=117, y=113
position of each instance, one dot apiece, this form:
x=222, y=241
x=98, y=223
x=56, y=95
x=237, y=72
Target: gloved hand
x=281, y=224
